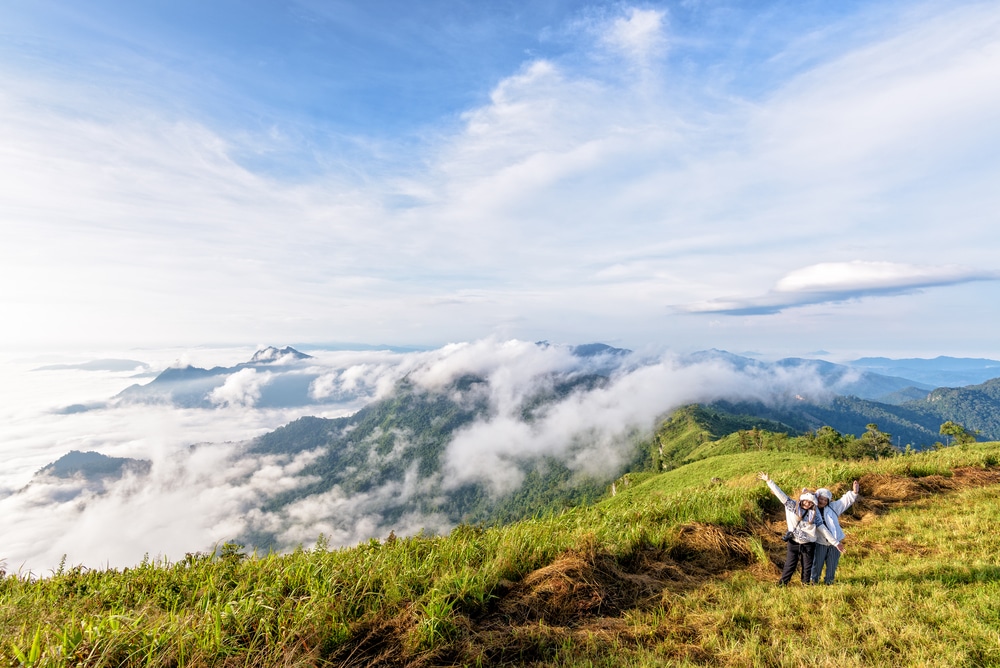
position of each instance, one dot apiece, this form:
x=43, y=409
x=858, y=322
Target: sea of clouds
x=203, y=488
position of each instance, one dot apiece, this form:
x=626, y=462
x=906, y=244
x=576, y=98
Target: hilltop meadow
x=675, y=569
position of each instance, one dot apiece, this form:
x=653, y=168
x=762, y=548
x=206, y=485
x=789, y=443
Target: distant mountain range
x=92, y=466
x=288, y=382
x=937, y=372
x=287, y=379
x=836, y=379
x=75, y=472
x=915, y=421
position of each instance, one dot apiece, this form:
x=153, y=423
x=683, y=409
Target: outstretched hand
x=856, y=487
x=763, y=476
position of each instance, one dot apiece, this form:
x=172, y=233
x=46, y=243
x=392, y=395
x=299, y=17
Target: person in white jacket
x=830, y=511
x=804, y=524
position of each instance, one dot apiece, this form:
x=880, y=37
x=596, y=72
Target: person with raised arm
x=804, y=524
x=830, y=512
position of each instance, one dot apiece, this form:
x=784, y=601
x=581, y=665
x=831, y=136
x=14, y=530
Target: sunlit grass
x=919, y=586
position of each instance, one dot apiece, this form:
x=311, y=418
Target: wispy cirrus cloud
x=830, y=282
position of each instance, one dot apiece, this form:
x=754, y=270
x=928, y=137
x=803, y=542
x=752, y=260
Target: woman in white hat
x=804, y=524
x=828, y=551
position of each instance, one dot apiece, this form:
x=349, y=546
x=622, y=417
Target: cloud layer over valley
x=581, y=406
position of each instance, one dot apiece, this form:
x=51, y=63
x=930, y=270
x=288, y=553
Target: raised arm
x=847, y=500
x=785, y=501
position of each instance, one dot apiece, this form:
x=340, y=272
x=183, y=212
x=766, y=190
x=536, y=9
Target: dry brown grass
x=976, y=476
x=881, y=492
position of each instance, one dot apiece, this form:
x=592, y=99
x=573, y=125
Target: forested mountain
x=848, y=415
x=914, y=422
x=92, y=466
x=393, y=453
x=405, y=438
x=689, y=428
x=977, y=407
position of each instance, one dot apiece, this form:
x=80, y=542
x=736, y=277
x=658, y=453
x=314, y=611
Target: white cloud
x=841, y=281
x=349, y=519
x=593, y=431
x=861, y=275
x=242, y=388
x=191, y=500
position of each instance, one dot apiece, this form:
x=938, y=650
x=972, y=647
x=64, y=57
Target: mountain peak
x=272, y=354
x=595, y=349
x=92, y=465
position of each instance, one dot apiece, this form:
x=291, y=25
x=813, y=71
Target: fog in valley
x=201, y=487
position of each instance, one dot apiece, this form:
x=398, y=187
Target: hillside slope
x=676, y=570
x=910, y=421
x=977, y=407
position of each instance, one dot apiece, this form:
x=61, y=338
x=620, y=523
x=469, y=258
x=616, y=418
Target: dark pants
x=828, y=555
x=798, y=553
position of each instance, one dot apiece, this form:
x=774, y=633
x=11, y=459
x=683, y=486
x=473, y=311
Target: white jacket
x=831, y=518
x=805, y=525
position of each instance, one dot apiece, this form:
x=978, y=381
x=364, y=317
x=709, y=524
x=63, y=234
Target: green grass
x=919, y=586
x=934, y=602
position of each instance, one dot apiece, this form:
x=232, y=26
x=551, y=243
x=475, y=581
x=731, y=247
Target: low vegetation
x=677, y=568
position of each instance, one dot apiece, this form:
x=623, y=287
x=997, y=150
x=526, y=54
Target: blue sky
x=775, y=177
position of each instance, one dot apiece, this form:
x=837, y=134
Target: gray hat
x=807, y=497
x=823, y=491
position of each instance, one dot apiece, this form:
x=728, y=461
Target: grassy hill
x=676, y=569
x=684, y=435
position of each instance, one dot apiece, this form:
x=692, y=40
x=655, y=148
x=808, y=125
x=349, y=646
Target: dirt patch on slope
x=573, y=587
x=579, y=586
